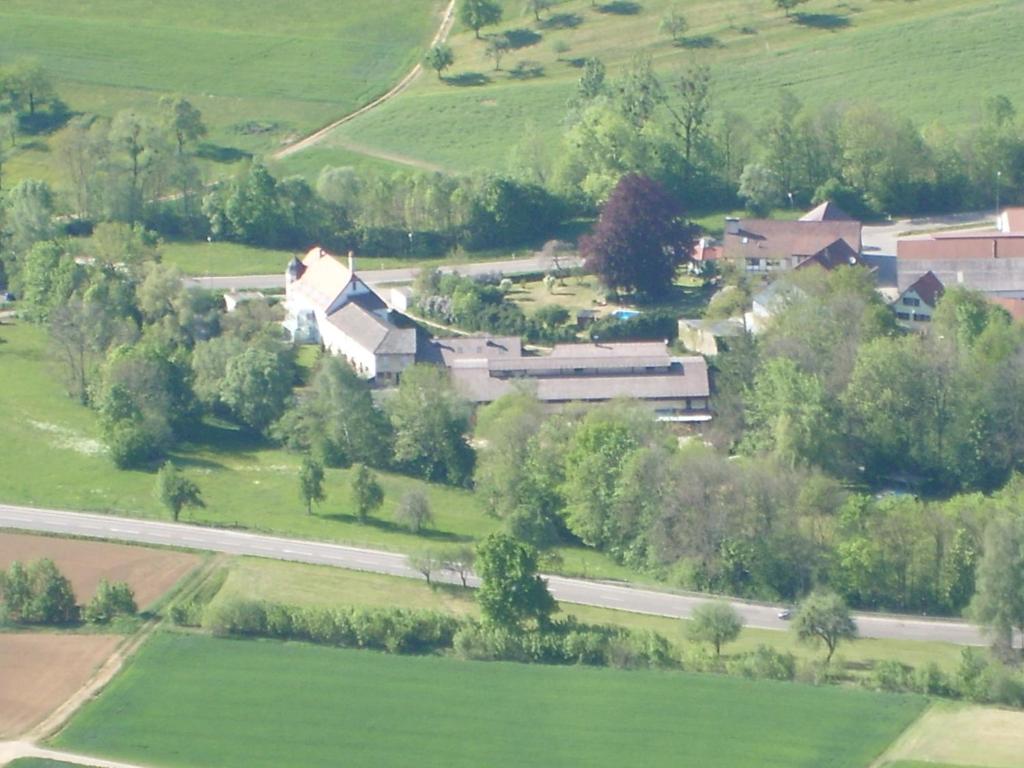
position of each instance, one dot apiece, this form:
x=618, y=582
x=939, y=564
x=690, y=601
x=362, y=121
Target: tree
x=26, y=84
x=439, y=58
x=477, y=14
x=640, y=239
x=788, y=5
x=497, y=46
x=29, y=207
x=761, y=187
x=367, y=492
x=694, y=91
x=537, y=6
x=413, y=511
x=53, y=600
x=715, y=623
x=592, y=81
x=511, y=592
x=460, y=561
x=673, y=24
x=256, y=387
x=824, y=617
x=311, y=482
x=430, y=421
x=639, y=91
x=998, y=603
x=175, y=491
x=16, y=591
x=427, y=562
x=183, y=120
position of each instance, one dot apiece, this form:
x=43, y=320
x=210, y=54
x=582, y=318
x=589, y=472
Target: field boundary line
x=447, y=22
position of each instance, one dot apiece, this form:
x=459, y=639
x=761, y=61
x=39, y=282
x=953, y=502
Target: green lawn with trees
x=893, y=55
x=267, y=703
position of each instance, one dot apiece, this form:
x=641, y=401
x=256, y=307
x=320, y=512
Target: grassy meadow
x=896, y=55
x=260, y=704
x=262, y=72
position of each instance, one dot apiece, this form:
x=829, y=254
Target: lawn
x=256, y=704
x=261, y=73
x=896, y=56
x=321, y=586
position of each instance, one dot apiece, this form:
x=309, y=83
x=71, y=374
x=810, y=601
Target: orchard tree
x=311, y=482
x=511, y=592
x=477, y=14
x=439, y=58
x=788, y=5
x=641, y=238
x=715, y=623
x=427, y=563
x=497, y=47
x=182, y=120
x=413, y=511
x=460, y=560
x=537, y=6
x=367, y=492
x=824, y=617
x=673, y=24
x=175, y=491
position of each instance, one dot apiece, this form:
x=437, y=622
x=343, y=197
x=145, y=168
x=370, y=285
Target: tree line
x=37, y=593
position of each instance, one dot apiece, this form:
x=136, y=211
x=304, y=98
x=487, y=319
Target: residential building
x=327, y=303
x=485, y=368
x=916, y=304
x=825, y=236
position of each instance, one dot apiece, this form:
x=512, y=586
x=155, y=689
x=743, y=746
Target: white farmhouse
x=327, y=303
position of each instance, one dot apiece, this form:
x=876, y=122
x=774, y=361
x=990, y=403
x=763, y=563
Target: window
x=902, y=315
x=909, y=302
x=921, y=318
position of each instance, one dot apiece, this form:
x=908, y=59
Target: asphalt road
x=385, y=276
x=602, y=594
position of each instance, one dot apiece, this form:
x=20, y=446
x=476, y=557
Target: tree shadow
x=429, y=534
x=195, y=462
x=579, y=62
x=467, y=79
x=522, y=38
x=220, y=154
x=699, y=41
x=561, y=21
x=221, y=438
x=831, y=21
x=621, y=8
x=526, y=70
x=748, y=30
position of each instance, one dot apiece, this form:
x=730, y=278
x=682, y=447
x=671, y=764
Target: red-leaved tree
x=641, y=238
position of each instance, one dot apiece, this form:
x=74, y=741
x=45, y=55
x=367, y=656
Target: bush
x=765, y=664
x=110, y=600
x=657, y=325
x=931, y=680
x=890, y=675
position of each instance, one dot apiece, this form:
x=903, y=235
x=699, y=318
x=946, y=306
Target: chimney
x=732, y=225
x=351, y=263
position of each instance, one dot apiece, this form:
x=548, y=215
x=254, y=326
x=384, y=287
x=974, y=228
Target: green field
x=37, y=762
x=192, y=700
x=896, y=55
x=261, y=72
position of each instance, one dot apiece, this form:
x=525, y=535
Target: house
x=825, y=236
x=327, y=303
x=768, y=302
x=987, y=260
x=917, y=303
x=706, y=337
x=485, y=368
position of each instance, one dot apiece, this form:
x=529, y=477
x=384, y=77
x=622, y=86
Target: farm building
x=327, y=303
x=485, y=368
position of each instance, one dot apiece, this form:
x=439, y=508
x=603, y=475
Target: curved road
x=605, y=595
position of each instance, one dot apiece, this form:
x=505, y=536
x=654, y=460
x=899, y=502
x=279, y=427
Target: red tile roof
x=928, y=287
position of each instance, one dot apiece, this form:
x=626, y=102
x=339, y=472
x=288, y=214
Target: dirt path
x=315, y=138
x=12, y=750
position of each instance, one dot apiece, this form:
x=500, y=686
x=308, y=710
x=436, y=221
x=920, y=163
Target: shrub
x=765, y=664
x=110, y=600
x=890, y=675
x=932, y=681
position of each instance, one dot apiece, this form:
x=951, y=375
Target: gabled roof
x=836, y=254
x=776, y=239
x=372, y=331
x=827, y=211
x=323, y=279
x=928, y=288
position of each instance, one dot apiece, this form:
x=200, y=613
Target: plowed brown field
x=150, y=572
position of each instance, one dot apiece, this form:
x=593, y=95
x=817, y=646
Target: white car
x=785, y=614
